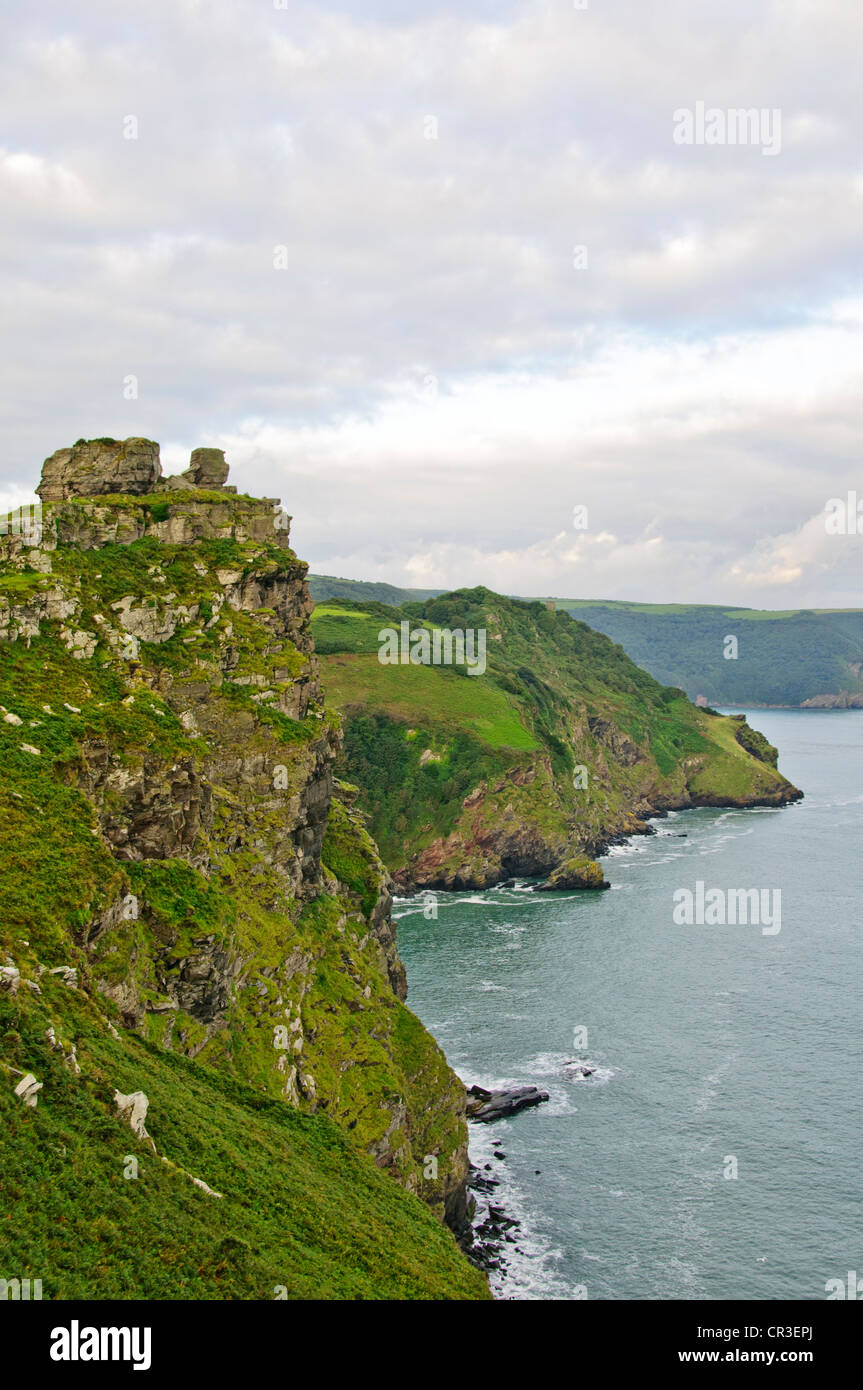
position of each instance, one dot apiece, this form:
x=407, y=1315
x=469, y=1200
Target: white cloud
x=431, y=384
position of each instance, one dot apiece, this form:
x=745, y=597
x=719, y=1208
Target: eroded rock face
x=94, y=467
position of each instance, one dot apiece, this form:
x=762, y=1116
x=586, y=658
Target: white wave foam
x=531, y=1258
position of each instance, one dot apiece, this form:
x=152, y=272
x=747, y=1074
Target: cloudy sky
x=437, y=274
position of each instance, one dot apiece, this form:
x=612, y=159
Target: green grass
x=420, y=741
x=411, y=693
x=283, y=949
x=303, y=1211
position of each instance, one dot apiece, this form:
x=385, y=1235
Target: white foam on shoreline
x=532, y=1258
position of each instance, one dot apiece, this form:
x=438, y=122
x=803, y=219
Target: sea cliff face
x=172, y=826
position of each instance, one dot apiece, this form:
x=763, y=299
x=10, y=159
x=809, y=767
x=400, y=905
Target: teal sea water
x=710, y=1043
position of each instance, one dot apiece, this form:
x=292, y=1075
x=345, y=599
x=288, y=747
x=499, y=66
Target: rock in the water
x=94, y=467
x=578, y=872
x=485, y=1106
x=580, y=1069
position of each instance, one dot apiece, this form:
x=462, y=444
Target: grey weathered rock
x=68, y=973
x=486, y=1106
x=70, y=1059
x=92, y=468
x=207, y=468
x=28, y=1089
x=134, y=1108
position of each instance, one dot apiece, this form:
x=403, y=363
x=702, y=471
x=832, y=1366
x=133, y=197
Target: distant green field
x=419, y=693
x=785, y=657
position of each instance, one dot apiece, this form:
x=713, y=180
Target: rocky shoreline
x=491, y=1228
x=579, y=870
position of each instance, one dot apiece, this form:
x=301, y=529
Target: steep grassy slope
x=532, y=767
x=90, y=1210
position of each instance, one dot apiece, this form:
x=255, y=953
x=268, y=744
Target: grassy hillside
x=562, y=743
x=783, y=658
x=327, y=586
x=302, y=1213
x=793, y=657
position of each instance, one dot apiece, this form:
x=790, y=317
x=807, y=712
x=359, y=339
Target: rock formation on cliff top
x=98, y=467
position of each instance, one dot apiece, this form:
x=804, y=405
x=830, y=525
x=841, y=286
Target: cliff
x=171, y=826
x=531, y=766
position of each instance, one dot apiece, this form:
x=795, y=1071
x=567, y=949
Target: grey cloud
x=451, y=259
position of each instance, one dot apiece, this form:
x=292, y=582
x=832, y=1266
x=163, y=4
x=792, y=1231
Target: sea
x=715, y=1150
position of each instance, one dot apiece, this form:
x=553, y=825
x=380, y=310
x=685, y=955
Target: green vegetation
x=303, y=1214
x=327, y=586
x=562, y=743
x=785, y=657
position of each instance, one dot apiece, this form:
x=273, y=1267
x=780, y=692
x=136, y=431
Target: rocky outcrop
x=133, y=1108
x=28, y=1089
x=484, y=1106
x=207, y=468
x=127, y=467
x=845, y=699
x=234, y=911
x=621, y=749
x=576, y=872
x=563, y=746
x=92, y=467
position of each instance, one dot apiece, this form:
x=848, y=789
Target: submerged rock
x=580, y=1069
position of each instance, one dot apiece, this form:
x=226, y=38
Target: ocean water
x=718, y=1049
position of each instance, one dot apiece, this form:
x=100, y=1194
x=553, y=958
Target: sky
x=447, y=280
